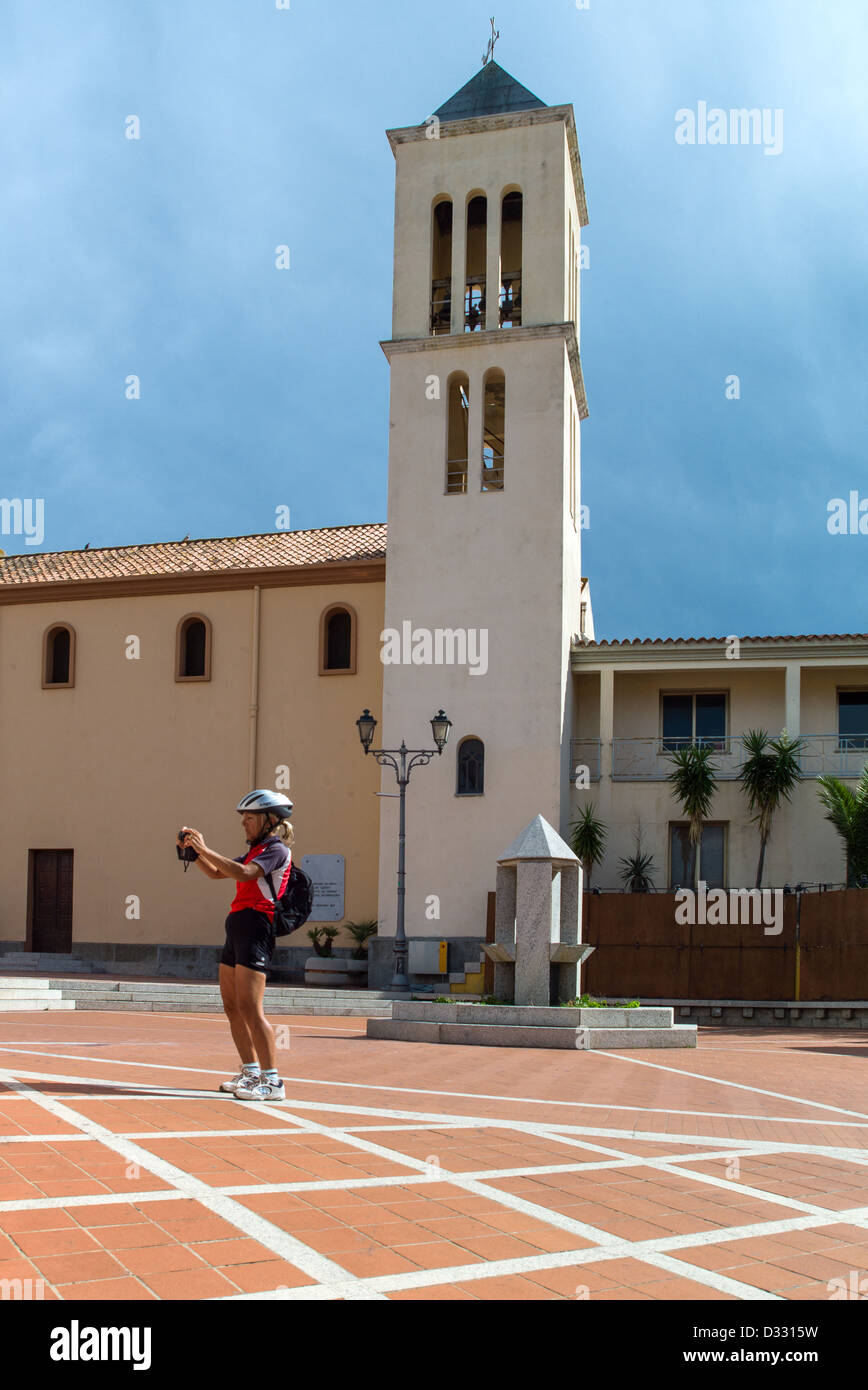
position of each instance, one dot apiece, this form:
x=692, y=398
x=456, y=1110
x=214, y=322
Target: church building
x=146, y=687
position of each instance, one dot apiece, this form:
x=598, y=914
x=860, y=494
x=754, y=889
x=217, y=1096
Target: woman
x=250, y=938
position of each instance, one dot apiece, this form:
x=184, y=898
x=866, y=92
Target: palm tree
x=694, y=783
x=770, y=772
x=847, y=809
x=589, y=839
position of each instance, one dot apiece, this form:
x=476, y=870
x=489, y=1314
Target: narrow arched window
x=512, y=213
x=494, y=435
x=193, y=649
x=471, y=767
x=441, y=268
x=58, y=657
x=477, y=251
x=338, y=641
x=457, y=433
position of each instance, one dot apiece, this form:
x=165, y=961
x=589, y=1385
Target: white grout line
x=545, y=1129
x=604, y=1248
x=399, y=1180
x=643, y=1250
x=738, y=1085
x=308, y=1261
x=256, y=1227
x=472, y=1095
x=510, y=1200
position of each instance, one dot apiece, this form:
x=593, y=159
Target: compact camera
x=186, y=852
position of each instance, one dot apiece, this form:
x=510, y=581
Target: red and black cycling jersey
x=274, y=858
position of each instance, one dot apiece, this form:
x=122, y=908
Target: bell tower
x=483, y=563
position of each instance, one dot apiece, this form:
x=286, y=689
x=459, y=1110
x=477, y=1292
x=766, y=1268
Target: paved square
x=411, y=1171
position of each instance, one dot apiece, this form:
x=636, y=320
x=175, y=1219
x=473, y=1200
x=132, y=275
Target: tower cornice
x=500, y=338
x=476, y=125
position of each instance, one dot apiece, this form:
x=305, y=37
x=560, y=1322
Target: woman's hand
x=194, y=839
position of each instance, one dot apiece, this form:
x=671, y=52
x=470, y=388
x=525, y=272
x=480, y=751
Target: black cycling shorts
x=250, y=940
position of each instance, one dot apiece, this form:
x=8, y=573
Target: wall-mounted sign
x=327, y=874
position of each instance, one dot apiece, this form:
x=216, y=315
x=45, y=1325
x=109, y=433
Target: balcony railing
x=456, y=475
x=441, y=307
x=474, y=304
x=649, y=759
x=492, y=471
x=510, y=300
x=585, y=753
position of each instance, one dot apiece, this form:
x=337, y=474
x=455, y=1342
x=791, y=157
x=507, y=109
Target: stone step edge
x=531, y=1016
x=9, y=1006
x=509, y=1035
x=284, y=1011
x=183, y=989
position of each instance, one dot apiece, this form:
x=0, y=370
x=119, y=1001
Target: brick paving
x=410, y=1171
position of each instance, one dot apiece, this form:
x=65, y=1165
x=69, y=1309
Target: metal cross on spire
x=489, y=52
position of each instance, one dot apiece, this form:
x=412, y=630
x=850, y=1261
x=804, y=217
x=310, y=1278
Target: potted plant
x=325, y=969
x=637, y=875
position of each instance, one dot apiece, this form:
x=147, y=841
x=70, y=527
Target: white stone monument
x=538, y=919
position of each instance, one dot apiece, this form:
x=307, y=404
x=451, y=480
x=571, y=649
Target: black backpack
x=295, y=904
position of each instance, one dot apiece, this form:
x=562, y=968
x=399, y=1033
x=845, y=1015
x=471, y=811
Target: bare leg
x=250, y=992
x=241, y=1035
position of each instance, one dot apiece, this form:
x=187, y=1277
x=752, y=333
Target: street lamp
x=388, y=757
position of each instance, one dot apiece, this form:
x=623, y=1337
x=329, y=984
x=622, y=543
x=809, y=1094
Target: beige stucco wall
x=113, y=767
x=755, y=698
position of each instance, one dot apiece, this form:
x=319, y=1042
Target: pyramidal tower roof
x=539, y=840
x=490, y=93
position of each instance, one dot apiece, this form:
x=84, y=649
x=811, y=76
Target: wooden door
x=51, y=900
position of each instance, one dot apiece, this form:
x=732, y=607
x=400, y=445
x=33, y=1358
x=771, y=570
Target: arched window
x=512, y=212
x=477, y=251
x=471, y=767
x=494, y=435
x=457, y=433
x=337, y=641
x=193, y=649
x=58, y=657
x=441, y=268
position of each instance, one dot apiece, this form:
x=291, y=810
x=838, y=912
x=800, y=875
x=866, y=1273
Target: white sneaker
x=256, y=1089
x=241, y=1079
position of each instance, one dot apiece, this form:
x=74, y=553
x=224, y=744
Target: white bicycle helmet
x=266, y=802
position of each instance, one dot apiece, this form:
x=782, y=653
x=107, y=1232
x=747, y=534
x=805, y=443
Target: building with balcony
x=640, y=701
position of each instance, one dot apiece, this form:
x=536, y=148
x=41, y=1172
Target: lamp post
x=388, y=757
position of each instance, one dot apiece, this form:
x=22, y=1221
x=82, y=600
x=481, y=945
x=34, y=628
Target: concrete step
x=278, y=1011
x=37, y=1004
x=505, y=1035
x=12, y=985
x=172, y=997
x=204, y=989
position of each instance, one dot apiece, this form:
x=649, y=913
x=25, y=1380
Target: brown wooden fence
x=642, y=951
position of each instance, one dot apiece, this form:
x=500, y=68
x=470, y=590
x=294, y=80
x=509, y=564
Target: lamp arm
x=385, y=759
x=420, y=759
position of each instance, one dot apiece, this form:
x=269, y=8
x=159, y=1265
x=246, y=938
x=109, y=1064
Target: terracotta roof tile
x=279, y=549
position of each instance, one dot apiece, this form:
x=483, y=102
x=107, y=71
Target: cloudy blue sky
x=259, y=388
